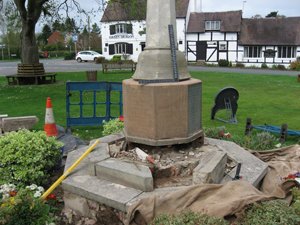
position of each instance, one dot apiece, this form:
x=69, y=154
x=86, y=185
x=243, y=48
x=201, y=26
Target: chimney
x=196, y=5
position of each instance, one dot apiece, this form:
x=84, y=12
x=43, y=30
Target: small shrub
x=230, y=64
x=257, y=141
x=69, y=56
x=274, y=67
x=116, y=58
x=295, y=65
x=223, y=63
x=276, y=212
x=113, y=126
x=239, y=65
x=100, y=60
x=28, y=157
x=188, y=218
x=215, y=132
x=281, y=67
x=24, y=206
x=264, y=66
x=296, y=200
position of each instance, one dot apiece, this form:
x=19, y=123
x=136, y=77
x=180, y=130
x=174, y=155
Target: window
x=121, y=28
x=121, y=48
x=286, y=52
x=223, y=46
x=212, y=25
x=252, y=51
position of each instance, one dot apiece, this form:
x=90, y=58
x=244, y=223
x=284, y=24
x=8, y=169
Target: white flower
x=37, y=194
x=40, y=189
x=32, y=187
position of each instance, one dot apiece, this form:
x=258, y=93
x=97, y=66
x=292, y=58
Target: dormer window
x=121, y=28
x=212, y=25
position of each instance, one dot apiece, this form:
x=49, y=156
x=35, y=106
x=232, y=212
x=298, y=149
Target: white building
x=206, y=36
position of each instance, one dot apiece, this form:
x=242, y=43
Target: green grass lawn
x=266, y=99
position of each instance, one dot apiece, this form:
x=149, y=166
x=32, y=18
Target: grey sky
x=253, y=7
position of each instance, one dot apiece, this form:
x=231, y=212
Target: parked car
x=87, y=56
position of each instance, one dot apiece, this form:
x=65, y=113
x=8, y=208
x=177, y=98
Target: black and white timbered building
x=207, y=36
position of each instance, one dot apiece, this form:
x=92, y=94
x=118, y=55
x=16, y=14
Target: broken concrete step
x=102, y=191
x=211, y=168
x=253, y=169
x=130, y=174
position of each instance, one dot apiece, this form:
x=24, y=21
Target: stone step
x=253, y=169
x=102, y=191
x=130, y=174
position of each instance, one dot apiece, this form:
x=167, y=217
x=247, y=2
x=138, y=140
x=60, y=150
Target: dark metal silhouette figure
x=226, y=99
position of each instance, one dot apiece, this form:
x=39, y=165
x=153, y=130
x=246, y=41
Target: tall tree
x=272, y=14
x=30, y=11
x=46, y=32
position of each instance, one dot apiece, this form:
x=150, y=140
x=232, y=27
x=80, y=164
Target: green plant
x=223, y=63
x=188, y=218
x=215, y=132
x=69, y=56
x=275, y=212
x=295, y=65
x=264, y=66
x=280, y=67
x=112, y=126
x=28, y=157
x=239, y=65
x=116, y=58
x=256, y=141
x=25, y=207
x=296, y=200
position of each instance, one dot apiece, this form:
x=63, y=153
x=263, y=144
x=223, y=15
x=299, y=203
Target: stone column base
x=163, y=113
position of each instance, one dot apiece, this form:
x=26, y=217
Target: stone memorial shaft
x=157, y=53
x=161, y=113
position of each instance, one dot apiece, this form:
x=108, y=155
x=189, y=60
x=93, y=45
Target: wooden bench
x=47, y=78
x=118, y=66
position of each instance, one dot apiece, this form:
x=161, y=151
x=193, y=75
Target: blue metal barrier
x=90, y=103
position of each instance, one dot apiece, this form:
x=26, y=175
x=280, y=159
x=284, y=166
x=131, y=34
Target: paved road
x=60, y=65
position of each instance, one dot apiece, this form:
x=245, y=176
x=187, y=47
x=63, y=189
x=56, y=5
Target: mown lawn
x=266, y=99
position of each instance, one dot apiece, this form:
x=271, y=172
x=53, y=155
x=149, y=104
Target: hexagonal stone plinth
x=162, y=113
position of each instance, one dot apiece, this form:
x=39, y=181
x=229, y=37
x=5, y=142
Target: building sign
x=75, y=38
x=120, y=36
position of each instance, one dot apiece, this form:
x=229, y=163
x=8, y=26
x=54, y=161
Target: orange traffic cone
x=50, y=126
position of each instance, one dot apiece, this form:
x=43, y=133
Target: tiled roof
x=270, y=31
x=230, y=21
x=115, y=11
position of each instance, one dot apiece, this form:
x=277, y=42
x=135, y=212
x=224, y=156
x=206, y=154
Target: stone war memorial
x=161, y=110
x=162, y=153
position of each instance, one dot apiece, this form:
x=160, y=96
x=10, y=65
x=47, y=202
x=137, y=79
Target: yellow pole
x=69, y=170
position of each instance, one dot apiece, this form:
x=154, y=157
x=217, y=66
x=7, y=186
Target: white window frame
x=252, y=51
x=212, y=25
x=286, y=52
x=120, y=48
x=121, y=28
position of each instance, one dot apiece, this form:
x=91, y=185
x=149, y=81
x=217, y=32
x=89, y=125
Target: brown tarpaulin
x=223, y=199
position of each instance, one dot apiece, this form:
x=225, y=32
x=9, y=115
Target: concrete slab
x=111, y=138
x=211, y=168
x=105, y=192
x=253, y=169
x=15, y=123
x=130, y=174
x=87, y=166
